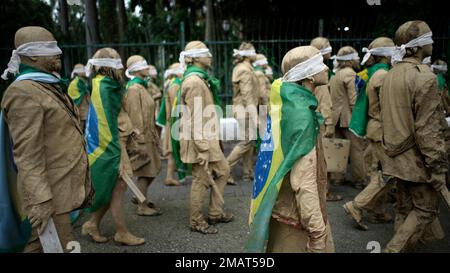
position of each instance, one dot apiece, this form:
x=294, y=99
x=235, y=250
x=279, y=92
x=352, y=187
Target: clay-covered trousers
x=287, y=239
x=302, y=197
x=373, y=197
x=220, y=171
x=416, y=212
x=244, y=150
x=171, y=166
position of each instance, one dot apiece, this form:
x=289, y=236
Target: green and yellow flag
x=292, y=129
x=161, y=118
x=102, y=137
x=78, y=90
x=360, y=116
x=182, y=168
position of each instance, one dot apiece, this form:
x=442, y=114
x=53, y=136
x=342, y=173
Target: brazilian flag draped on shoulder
x=15, y=229
x=360, y=117
x=182, y=169
x=331, y=73
x=214, y=84
x=78, y=89
x=441, y=82
x=161, y=118
x=258, y=137
x=292, y=130
x=137, y=80
x=258, y=68
x=102, y=137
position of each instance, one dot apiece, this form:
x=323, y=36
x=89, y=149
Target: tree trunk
x=123, y=21
x=64, y=23
x=108, y=17
x=210, y=28
x=92, y=31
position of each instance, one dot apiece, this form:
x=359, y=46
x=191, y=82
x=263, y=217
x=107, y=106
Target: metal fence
x=165, y=53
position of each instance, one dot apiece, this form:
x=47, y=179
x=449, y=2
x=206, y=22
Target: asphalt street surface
x=170, y=233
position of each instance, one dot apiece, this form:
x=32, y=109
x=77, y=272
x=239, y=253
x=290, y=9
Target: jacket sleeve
x=26, y=119
x=156, y=92
x=429, y=126
x=133, y=108
x=324, y=98
x=349, y=81
x=125, y=128
x=124, y=121
x=194, y=93
x=304, y=185
x=246, y=87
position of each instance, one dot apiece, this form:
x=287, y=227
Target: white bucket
x=229, y=129
x=336, y=152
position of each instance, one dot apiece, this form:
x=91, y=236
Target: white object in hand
x=134, y=188
x=50, y=240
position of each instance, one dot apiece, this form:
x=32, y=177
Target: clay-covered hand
x=40, y=214
x=316, y=245
x=437, y=181
x=143, y=152
x=122, y=170
x=203, y=159
x=135, y=133
x=329, y=131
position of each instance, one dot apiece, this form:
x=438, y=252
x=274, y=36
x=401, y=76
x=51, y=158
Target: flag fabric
x=102, y=137
x=137, y=80
x=331, y=73
x=258, y=137
x=359, y=120
x=15, y=229
x=182, y=169
x=161, y=118
x=363, y=74
x=441, y=82
x=27, y=72
x=360, y=116
x=77, y=90
x=74, y=216
x=292, y=130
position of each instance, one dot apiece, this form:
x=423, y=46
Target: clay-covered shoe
x=379, y=218
x=331, y=197
x=231, y=181
x=172, y=183
x=224, y=218
x=355, y=214
x=93, y=232
x=135, y=201
x=128, y=239
x=248, y=178
x=144, y=210
x=204, y=229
